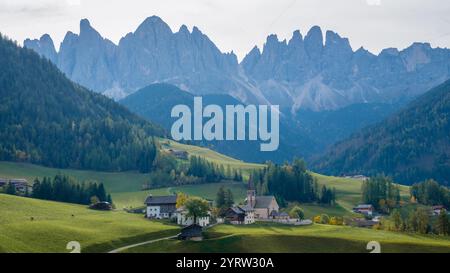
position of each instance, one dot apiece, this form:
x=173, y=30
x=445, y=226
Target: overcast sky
x=238, y=25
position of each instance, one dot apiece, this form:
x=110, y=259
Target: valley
x=361, y=152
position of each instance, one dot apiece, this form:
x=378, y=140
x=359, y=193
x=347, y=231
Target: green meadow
x=53, y=225
x=125, y=187
x=30, y=225
x=276, y=238
x=208, y=191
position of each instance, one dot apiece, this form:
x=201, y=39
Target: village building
x=3, y=182
x=263, y=206
x=179, y=154
x=161, y=207
x=184, y=220
x=240, y=215
x=192, y=232
x=280, y=216
x=436, y=210
x=366, y=209
x=20, y=185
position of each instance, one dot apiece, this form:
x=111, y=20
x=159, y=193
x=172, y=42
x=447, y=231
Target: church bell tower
x=251, y=194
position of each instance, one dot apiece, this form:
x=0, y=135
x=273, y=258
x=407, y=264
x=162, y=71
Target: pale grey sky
x=239, y=24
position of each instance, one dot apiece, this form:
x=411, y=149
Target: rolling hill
x=411, y=145
x=55, y=224
x=47, y=119
x=276, y=238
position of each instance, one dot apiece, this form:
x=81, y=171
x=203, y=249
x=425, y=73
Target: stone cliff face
x=310, y=72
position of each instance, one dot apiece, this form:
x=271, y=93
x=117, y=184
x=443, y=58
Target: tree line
x=419, y=221
x=63, y=188
x=211, y=172
x=429, y=192
x=381, y=192
x=291, y=182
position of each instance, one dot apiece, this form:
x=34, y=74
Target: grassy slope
x=214, y=156
x=135, y=199
x=54, y=226
x=114, y=182
x=314, y=238
x=125, y=187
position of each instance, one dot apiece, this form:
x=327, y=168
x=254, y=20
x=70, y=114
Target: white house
x=161, y=207
x=366, y=209
x=184, y=220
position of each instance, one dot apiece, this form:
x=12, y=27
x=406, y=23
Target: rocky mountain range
x=305, y=73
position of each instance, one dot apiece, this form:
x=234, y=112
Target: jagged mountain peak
x=333, y=38
x=85, y=25
x=154, y=24
x=314, y=34
x=391, y=51
x=184, y=29
x=279, y=72
x=44, y=46
x=296, y=39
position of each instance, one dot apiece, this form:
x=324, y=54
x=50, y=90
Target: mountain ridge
x=315, y=72
x=411, y=145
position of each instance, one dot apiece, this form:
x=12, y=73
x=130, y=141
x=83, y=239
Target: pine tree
x=10, y=189
x=443, y=225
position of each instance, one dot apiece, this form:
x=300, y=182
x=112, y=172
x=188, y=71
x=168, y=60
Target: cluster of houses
x=20, y=185
x=264, y=208
x=164, y=207
x=255, y=208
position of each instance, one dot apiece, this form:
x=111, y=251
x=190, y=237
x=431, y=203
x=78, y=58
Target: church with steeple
x=263, y=206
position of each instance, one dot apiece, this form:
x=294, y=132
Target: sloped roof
x=363, y=206
x=192, y=231
x=246, y=208
x=263, y=202
x=237, y=210
x=161, y=200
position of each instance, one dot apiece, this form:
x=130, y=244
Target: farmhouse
x=184, y=220
x=240, y=215
x=281, y=216
x=161, y=207
x=179, y=154
x=365, y=209
x=436, y=210
x=263, y=206
x=3, y=182
x=21, y=185
x=192, y=232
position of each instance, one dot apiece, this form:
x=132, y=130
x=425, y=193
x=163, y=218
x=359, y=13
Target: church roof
x=263, y=202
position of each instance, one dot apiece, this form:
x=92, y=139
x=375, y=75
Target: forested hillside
x=411, y=146
x=47, y=119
